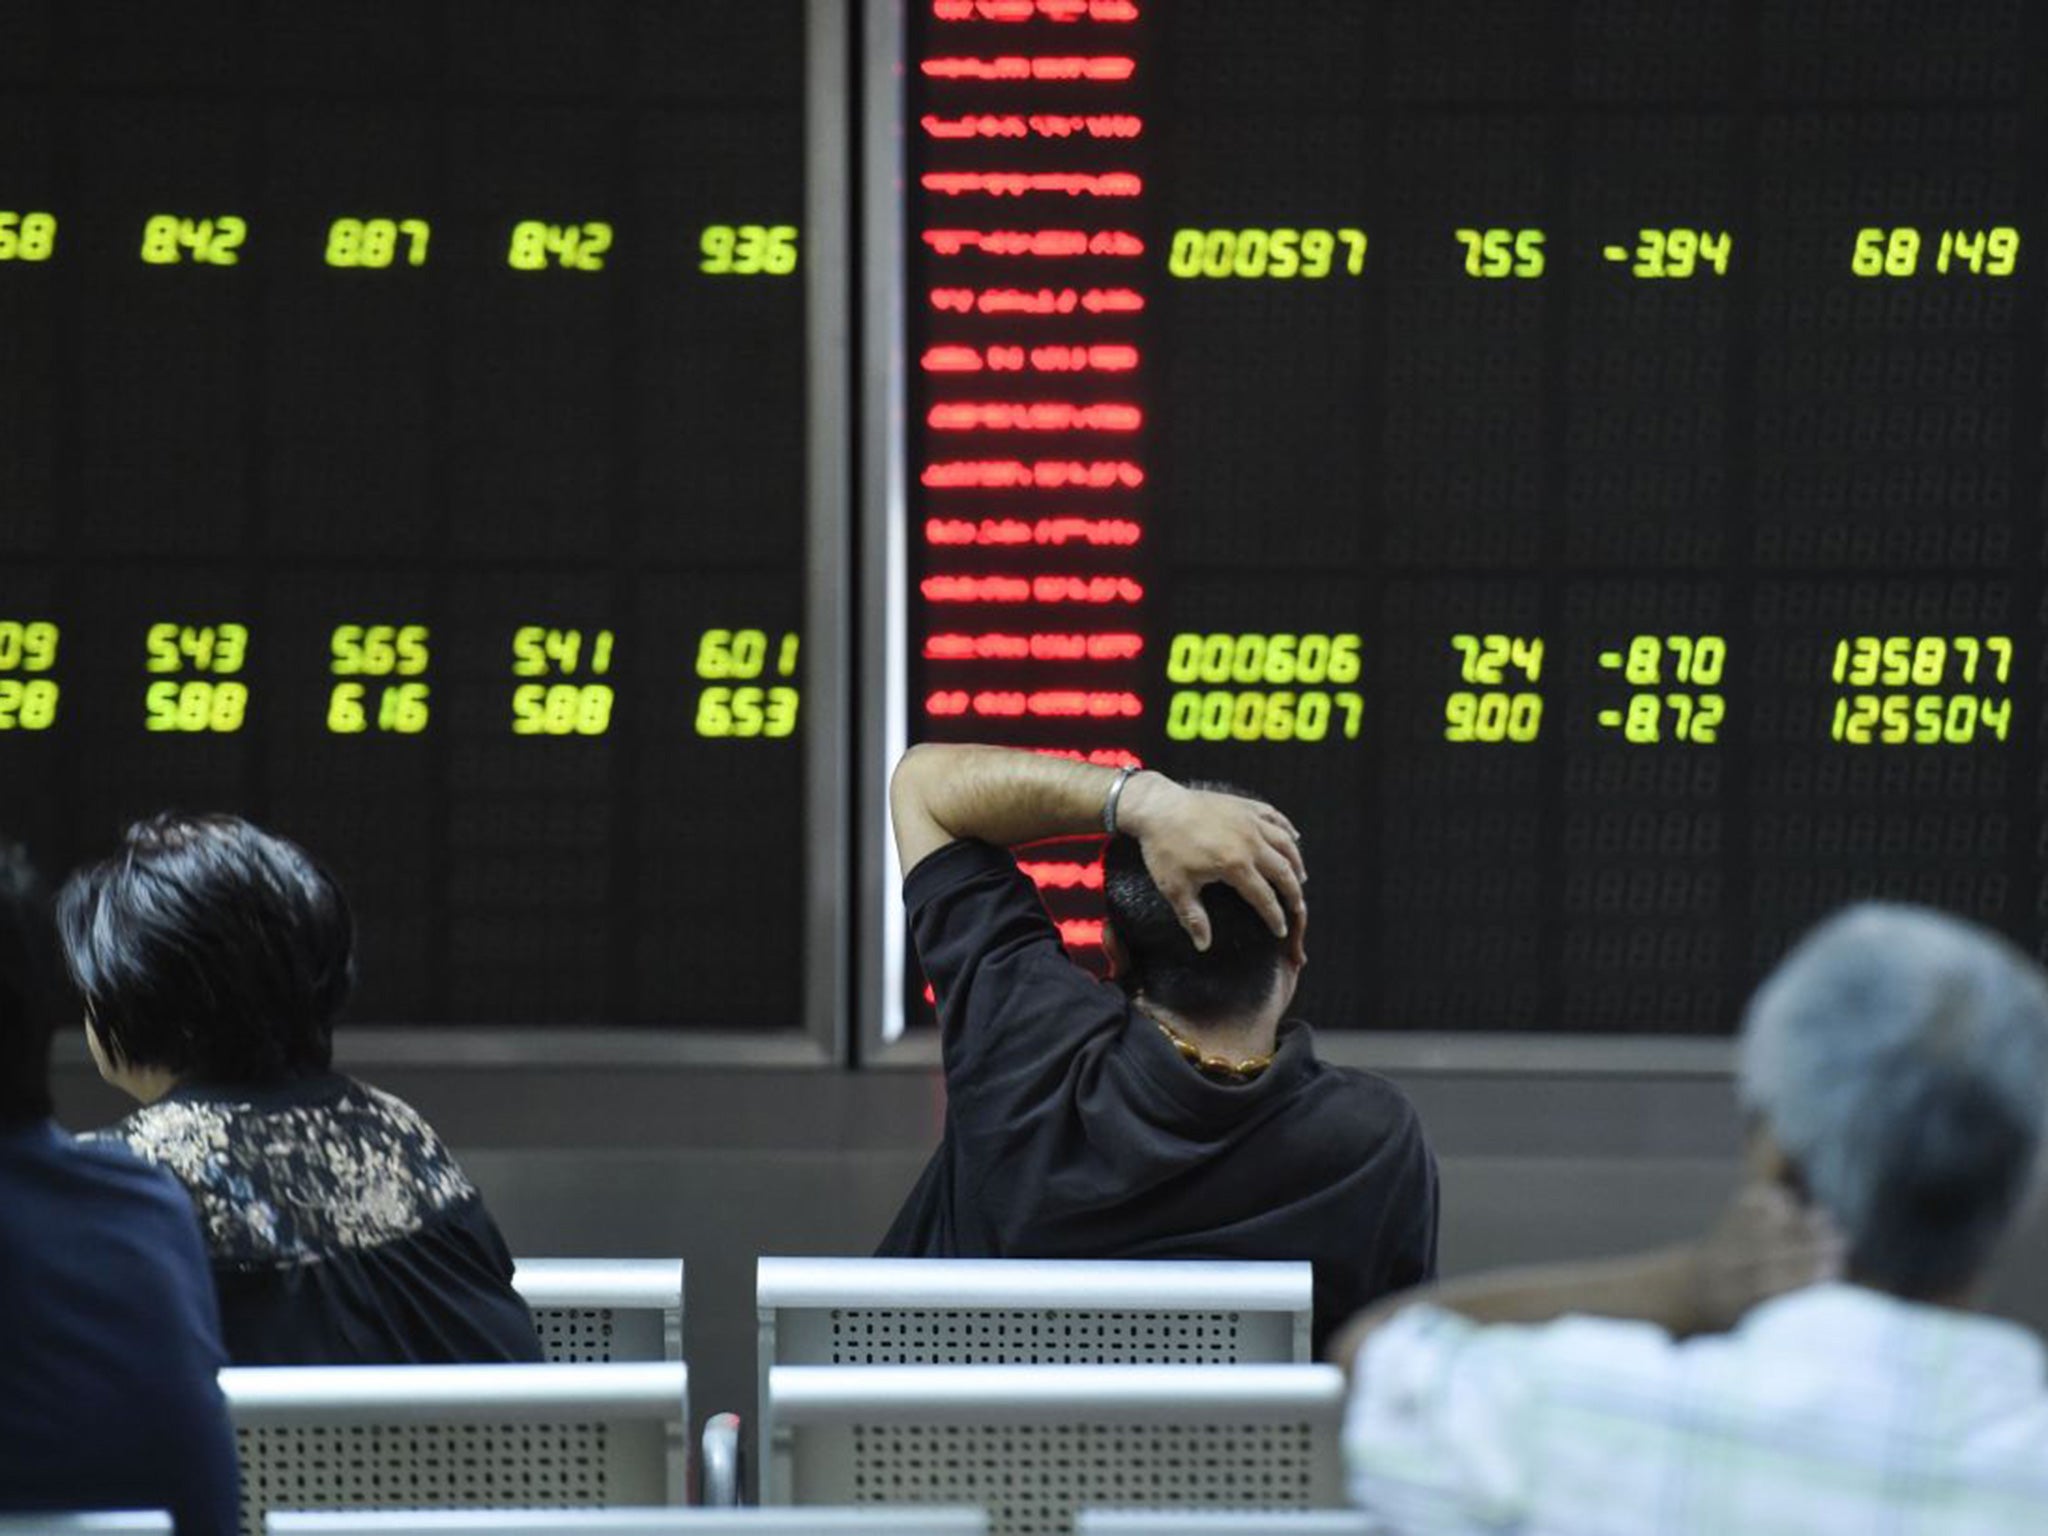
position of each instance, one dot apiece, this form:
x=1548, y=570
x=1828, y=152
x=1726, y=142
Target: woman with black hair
x=213, y=958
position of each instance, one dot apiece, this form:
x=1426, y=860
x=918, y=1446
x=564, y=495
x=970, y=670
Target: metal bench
x=408, y=1436
x=1034, y=1444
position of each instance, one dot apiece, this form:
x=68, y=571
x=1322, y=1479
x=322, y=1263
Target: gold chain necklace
x=1221, y=1067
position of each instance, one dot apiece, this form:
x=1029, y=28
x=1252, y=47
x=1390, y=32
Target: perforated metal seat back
x=1034, y=1444
x=1033, y=1478
x=599, y=1310
x=451, y=1466
x=607, y=1333
x=959, y=1336
x=1031, y=1312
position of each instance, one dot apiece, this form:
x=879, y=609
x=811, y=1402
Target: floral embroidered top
x=340, y=1228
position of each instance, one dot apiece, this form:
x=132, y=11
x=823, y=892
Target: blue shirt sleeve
x=200, y=1453
x=109, y=1397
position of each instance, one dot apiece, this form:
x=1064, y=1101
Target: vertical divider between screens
x=1739, y=537
x=1557, y=311
x=258, y=540
x=830, y=568
x=882, y=729
x=622, y=461
x=440, y=579
x=2027, y=788
x=68, y=469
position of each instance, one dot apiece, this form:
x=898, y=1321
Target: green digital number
x=1493, y=716
x=196, y=705
x=571, y=247
x=168, y=240
x=561, y=709
x=1280, y=253
x=1880, y=252
x=216, y=648
x=1193, y=657
x=29, y=646
x=1278, y=715
x=1498, y=253
x=1484, y=659
x=1675, y=253
x=1899, y=719
x=376, y=243
x=538, y=651
x=379, y=650
x=27, y=236
x=27, y=704
x=1992, y=252
x=401, y=708
x=1924, y=661
x=747, y=250
x=1698, y=660
x=738, y=653
x=1692, y=717
x=747, y=712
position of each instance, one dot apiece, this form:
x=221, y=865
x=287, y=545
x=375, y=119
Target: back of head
x=1900, y=1058
x=208, y=947
x=1231, y=979
x=25, y=1018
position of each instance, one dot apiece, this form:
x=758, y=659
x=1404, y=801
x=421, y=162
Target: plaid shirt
x=1832, y=1409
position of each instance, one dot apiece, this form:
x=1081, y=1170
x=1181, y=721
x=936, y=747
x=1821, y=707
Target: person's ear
x=1113, y=950
x=103, y=1056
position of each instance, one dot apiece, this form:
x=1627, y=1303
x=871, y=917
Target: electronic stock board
x=1582, y=460
x=402, y=441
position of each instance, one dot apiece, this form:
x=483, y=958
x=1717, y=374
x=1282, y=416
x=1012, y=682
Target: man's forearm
x=1767, y=1241
x=1190, y=839
x=943, y=793
x=1659, y=1287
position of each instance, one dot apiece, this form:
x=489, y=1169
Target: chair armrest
x=722, y=1461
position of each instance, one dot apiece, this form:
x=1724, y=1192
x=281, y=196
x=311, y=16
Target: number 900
x=1493, y=716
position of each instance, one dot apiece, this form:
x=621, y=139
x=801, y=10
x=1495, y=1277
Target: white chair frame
x=872, y=1520
x=635, y=1306
x=813, y=1311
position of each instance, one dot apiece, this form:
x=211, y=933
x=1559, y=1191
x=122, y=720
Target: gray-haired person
x=1813, y=1364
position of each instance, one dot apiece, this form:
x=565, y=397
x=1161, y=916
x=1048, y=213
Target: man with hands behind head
x=1815, y=1364
x=1178, y=1113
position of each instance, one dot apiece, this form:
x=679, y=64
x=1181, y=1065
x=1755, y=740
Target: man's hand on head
x=1192, y=838
x=1766, y=1242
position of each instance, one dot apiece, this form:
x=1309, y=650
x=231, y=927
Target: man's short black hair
x=1236, y=973
x=25, y=1016
x=210, y=948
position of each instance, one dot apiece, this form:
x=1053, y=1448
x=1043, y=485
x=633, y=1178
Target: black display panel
x=404, y=445
x=1582, y=460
